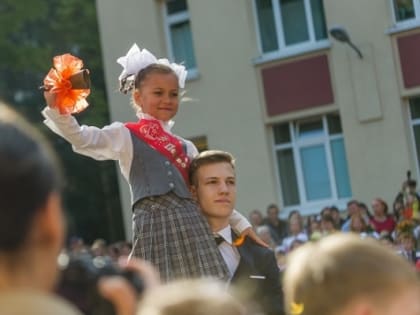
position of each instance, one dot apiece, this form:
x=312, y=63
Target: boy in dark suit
x=213, y=184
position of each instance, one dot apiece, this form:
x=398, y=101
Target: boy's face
x=215, y=189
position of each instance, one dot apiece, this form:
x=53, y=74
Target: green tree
x=31, y=33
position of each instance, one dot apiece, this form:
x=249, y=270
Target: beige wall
x=372, y=111
x=227, y=103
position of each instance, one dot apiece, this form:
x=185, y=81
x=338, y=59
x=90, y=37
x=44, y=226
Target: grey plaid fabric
x=170, y=232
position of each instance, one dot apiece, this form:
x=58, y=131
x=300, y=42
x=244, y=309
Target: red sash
x=152, y=132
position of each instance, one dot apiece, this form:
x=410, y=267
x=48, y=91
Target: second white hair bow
x=136, y=60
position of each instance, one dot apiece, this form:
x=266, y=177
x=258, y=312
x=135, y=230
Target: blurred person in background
x=295, y=232
x=328, y=225
x=381, y=220
x=255, y=218
x=406, y=245
x=264, y=232
x=338, y=220
x=313, y=227
x=278, y=227
x=352, y=208
x=359, y=226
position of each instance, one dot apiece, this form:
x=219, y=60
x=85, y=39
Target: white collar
x=226, y=233
x=167, y=125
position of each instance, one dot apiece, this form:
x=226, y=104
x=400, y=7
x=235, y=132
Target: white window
x=311, y=163
x=415, y=125
x=178, y=34
x=406, y=11
x=296, y=25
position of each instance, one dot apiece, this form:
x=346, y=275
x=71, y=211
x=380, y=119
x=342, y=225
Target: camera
x=79, y=277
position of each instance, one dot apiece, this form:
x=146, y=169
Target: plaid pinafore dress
x=168, y=228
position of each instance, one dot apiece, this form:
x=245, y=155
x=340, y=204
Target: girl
x=168, y=229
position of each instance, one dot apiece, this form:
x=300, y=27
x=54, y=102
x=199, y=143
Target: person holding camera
x=31, y=225
x=32, y=230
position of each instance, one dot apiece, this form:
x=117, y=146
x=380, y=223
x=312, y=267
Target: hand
x=119, y=291
x=251, y=234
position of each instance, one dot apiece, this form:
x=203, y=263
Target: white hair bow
x=136, y=60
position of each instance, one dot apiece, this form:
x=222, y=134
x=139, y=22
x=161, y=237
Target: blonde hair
x=208, y=157
x=190, y=297
x=323, y=277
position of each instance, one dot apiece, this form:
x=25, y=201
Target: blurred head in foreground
x=343, y=274
x=191, y=297
x=31, y=221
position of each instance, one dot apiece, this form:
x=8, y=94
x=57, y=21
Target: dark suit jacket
x=258, y=271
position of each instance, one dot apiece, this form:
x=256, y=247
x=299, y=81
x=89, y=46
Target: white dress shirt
x=229, y=252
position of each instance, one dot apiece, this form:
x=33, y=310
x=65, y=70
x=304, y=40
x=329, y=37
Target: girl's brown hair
x=129, y=85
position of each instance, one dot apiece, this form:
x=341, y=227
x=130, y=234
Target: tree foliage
x=31, y=33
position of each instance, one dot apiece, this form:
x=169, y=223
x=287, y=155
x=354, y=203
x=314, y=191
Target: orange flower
x=239, y=241
x=57, y=81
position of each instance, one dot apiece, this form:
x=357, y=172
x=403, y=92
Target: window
x=406, y=11
x=311, y=162
x=415, y=125
x=179, y=36
x=289, y=24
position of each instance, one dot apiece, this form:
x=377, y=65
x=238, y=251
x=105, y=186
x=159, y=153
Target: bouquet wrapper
x=69, y=83
x=80, y=80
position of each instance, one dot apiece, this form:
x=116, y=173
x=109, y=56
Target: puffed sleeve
x=112, y=142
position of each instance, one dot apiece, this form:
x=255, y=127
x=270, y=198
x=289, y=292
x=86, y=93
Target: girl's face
x=158, y=95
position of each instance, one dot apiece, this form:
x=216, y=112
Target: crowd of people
x=398, y=228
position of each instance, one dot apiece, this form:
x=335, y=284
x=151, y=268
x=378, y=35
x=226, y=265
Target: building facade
x=311, y=120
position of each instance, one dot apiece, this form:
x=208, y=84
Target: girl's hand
x=251, y=234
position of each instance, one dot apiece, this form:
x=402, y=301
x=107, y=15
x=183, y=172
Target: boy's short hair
x=208, y=157
x=29, y=173
x=191, y=297
x=345, y=267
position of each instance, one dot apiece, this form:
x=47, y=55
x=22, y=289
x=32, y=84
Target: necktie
x=218, y=239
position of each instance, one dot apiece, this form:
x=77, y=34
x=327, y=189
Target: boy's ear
x=193, y=191
x=49, y=224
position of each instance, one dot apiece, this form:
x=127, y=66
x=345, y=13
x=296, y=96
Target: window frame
x=413, y=122
x=284, y=50
x=307, y=206
x=169, y=20
x=405, y=24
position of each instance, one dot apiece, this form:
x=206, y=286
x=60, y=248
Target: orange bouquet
x=69, y=82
